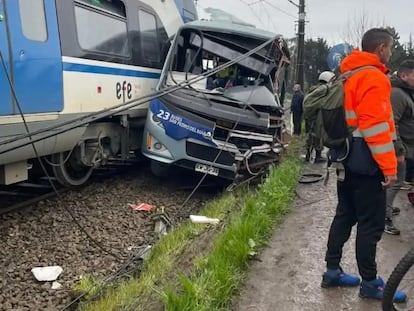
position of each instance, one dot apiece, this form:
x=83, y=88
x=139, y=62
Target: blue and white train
x=62, y=59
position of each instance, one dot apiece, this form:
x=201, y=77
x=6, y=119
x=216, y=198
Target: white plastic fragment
x=56, y=285
x=204, y=220
x=160, y=227
x=46, y=274
x=145, y=252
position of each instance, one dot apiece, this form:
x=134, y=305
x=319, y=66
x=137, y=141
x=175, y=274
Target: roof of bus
x=232, y=28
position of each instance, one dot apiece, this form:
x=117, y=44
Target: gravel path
x=46, y=235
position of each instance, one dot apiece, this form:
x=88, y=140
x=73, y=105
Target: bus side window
x=33, y=19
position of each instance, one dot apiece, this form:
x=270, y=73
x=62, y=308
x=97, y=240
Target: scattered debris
x=145, y=252
x=46, y=274
x=141, y=207
x=161, y=222
x=204, y=220
x=56, y=285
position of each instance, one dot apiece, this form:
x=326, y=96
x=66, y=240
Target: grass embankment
x=198, y=267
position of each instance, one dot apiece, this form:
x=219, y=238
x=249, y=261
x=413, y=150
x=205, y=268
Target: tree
x=360, y=23
x=316, y=52
x=399, y=52
x=409, y=48
x=357, y=25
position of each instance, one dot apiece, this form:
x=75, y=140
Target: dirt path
x=288, y=274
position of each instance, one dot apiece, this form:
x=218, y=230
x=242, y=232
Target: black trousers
x=361, y=201
x=297, y=122
x=409, y=170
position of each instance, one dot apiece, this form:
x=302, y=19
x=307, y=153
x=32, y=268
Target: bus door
x=35, y=55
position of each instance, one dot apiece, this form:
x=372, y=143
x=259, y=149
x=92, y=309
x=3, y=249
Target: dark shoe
x=406, y=186
x=391, y=229
x=335, y=278
x=396, y=211
x=375, y=290
x=307, y=156
x=319, y=158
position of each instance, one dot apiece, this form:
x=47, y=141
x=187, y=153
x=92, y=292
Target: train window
x=149, y=37
x=33, y=19
x=102, y=27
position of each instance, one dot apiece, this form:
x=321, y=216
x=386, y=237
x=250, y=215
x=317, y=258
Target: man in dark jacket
x=297, y=109
x=403, y=109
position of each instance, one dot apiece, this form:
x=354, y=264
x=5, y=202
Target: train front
x=227, y=120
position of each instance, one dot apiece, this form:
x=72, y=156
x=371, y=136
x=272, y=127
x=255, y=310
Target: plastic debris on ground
x=145, y=252
x=204, y=220
x=141, y=207
x=161, y=221
x=47, y=274
x=56, y=285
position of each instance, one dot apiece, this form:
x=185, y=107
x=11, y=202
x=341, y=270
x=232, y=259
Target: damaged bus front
x=229, y=121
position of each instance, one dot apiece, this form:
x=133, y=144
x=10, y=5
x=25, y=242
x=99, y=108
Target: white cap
x=326, y=76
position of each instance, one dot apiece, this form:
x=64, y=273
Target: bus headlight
x=157, y=121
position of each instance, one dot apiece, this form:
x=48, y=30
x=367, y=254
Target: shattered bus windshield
x=229, y=121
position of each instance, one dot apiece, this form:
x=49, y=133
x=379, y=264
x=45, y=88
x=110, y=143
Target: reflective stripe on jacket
x=368, y=107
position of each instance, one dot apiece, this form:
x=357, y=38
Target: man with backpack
x=402, y=101
x=370, y=166
x=312, y=140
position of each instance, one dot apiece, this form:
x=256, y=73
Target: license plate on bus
x=202, y=168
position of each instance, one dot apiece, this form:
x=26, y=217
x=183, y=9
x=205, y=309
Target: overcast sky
x=325, y=18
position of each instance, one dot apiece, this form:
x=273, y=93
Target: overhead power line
x=295, y=4
x=279, y=9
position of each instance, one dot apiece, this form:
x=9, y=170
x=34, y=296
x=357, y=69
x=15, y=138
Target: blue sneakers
x=375, y=290
x=335, y=278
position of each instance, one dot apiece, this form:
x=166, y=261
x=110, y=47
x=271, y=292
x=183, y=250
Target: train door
x=35, y=55
x=5, y=99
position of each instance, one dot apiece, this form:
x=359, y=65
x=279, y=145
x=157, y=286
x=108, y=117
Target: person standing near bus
x=402, y=101
x=370, y=167
x=296, y=109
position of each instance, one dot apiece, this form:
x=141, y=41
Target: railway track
x=44, y=235
x=27, y=194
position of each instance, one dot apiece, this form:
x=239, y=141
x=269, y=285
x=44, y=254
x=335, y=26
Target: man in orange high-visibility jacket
x=370, y=167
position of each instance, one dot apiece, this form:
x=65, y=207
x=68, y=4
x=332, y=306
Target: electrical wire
x=279, y=9
x=109, y=112
x=63, y=162
x=52, y=184
x=132, y=306
x=116, y=275
x=182, y=85
x=269, y=17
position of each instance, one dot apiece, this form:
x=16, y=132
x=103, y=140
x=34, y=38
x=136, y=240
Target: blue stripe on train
x=110, y=71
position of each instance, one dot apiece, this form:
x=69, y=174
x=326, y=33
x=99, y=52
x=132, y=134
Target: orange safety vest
x=368, y=107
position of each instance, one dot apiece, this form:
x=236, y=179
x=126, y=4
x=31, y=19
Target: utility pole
x=301, y=44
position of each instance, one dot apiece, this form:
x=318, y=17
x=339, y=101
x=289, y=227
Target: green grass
x=219, y=275
x=219, y=254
